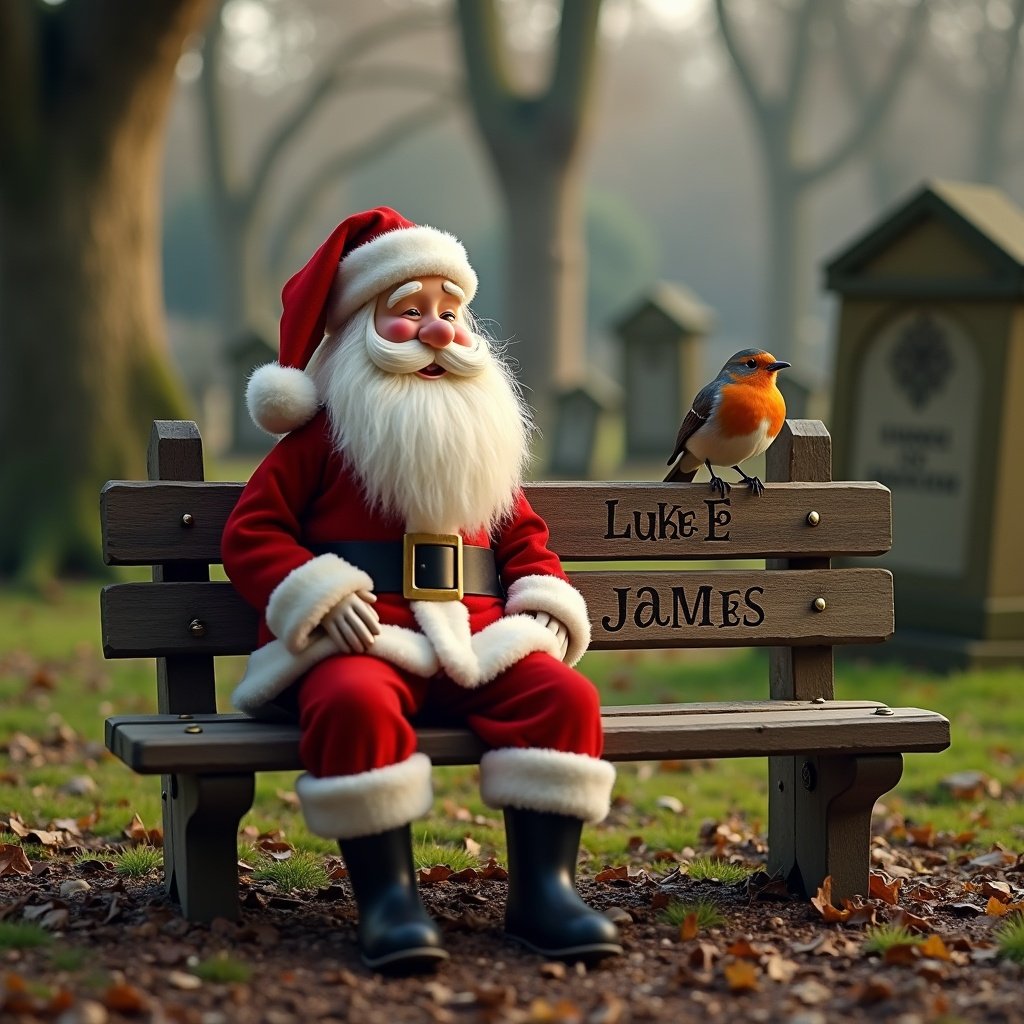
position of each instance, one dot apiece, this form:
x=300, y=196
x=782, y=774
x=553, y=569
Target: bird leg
x=717, y=483
x=755, y=485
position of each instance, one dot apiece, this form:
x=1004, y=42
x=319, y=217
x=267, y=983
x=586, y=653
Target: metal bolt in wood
x=884, y=711
x=187, y=520
x=197, y=627
x=184, y=716
x=193, y=728
x=818, y=700
x=813, y=518
x=819, y=604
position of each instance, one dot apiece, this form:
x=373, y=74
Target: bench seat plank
x=589, y=520
x=156, y=744
x=628, y=610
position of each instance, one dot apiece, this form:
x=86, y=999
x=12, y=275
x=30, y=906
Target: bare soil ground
x=121, y=952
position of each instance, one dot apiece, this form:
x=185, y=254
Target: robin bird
x=734, y=418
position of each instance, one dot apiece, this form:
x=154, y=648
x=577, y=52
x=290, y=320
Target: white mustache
x=410, y=356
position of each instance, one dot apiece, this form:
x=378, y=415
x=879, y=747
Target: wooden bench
x=828, y=760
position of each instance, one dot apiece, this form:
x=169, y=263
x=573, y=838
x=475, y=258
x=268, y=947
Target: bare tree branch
x=485, y=59
x=19, y=82
x=799, y=60
x=754, y=95
x=994, y=111
x=214, y=123
x=878, y=104
x=336, y=67
x=309, y=194
x=575, y=69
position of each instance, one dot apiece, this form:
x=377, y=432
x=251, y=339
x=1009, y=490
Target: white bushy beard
x=445, y=455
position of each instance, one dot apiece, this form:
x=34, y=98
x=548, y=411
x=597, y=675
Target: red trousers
x=356, y=712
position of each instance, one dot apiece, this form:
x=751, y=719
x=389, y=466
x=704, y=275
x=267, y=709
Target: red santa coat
x=305, y=494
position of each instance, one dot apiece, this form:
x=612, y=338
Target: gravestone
x=929, y=399
x=662, y=338
x=579, y=412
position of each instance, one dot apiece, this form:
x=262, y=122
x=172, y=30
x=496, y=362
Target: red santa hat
x=365, y=254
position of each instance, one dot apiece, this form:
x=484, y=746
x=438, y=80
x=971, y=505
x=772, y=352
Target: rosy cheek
x=462, y=336
x=396, y=328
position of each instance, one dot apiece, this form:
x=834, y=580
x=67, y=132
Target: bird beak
x=778, y=365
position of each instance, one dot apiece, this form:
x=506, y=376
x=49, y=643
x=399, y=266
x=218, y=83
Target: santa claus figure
x=403, y=578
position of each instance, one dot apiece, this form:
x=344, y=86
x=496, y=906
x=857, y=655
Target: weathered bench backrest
x=174, y=523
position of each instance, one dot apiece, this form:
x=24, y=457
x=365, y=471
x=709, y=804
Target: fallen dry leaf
x=934, y=948
x=13, y=860
x=882, y=887
x=616, y=874
x=822, y=902
x=124, y=998
x=435, y=874
x=779, y=969
x=741, y=976
x=689, y=928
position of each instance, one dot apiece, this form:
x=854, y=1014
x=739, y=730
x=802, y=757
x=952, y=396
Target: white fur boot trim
x=349, y=806
x=535, y=779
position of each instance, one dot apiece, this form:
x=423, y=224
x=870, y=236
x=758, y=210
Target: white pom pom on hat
x=365, y=254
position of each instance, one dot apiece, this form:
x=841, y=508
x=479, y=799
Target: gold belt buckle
x=409, y=589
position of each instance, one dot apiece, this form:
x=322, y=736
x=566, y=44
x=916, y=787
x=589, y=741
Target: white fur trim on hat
x=553, y=595
x=536, y=779
x=280, y=398
x=393, y=257
x=301, y=600
x=366, y=804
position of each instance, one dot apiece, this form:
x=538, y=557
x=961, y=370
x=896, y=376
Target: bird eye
x=752, y=363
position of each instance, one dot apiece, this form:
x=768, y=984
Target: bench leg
x=201, y=816
x=819, y=818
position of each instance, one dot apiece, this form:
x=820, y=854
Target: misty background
x=676, y=175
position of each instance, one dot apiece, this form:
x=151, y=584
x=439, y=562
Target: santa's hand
x=352, y=623
x=556, y=627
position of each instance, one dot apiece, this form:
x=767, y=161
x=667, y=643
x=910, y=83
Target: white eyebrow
x=453, y=289
x=409, y=288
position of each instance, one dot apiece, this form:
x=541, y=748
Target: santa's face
x=423, y=410
x=425, y=310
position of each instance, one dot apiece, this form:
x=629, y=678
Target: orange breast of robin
x=744, y=406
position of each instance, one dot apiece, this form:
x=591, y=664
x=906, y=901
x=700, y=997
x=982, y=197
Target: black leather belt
x=422, y=566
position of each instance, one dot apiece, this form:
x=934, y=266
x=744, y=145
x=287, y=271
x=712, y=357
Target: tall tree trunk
x=546, y=277
x=537, y=145
x=82, y=363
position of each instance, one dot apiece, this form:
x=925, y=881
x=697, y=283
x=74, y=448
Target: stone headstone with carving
x=929, y=399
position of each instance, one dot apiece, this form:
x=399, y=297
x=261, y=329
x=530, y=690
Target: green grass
x=713, y=869
x=707, y=913
x=14, y=935
x=69, y=958
x=301, y=871
x=1010, y=938
x=222, y=969
x=61, y=634
x=9, y=839
x=882, y=937
x=428, y=852
x=137, y=861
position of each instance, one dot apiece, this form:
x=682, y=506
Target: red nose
x=437, y=334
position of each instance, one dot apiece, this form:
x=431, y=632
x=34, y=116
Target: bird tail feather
x=677, y=476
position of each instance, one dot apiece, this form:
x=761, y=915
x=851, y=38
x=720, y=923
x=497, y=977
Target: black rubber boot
x=396, y=934
x=545, y=912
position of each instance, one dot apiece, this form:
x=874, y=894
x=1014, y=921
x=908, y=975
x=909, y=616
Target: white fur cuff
x=301, y=600
x=350, y=806
x=558, y=598
x=534, y=779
